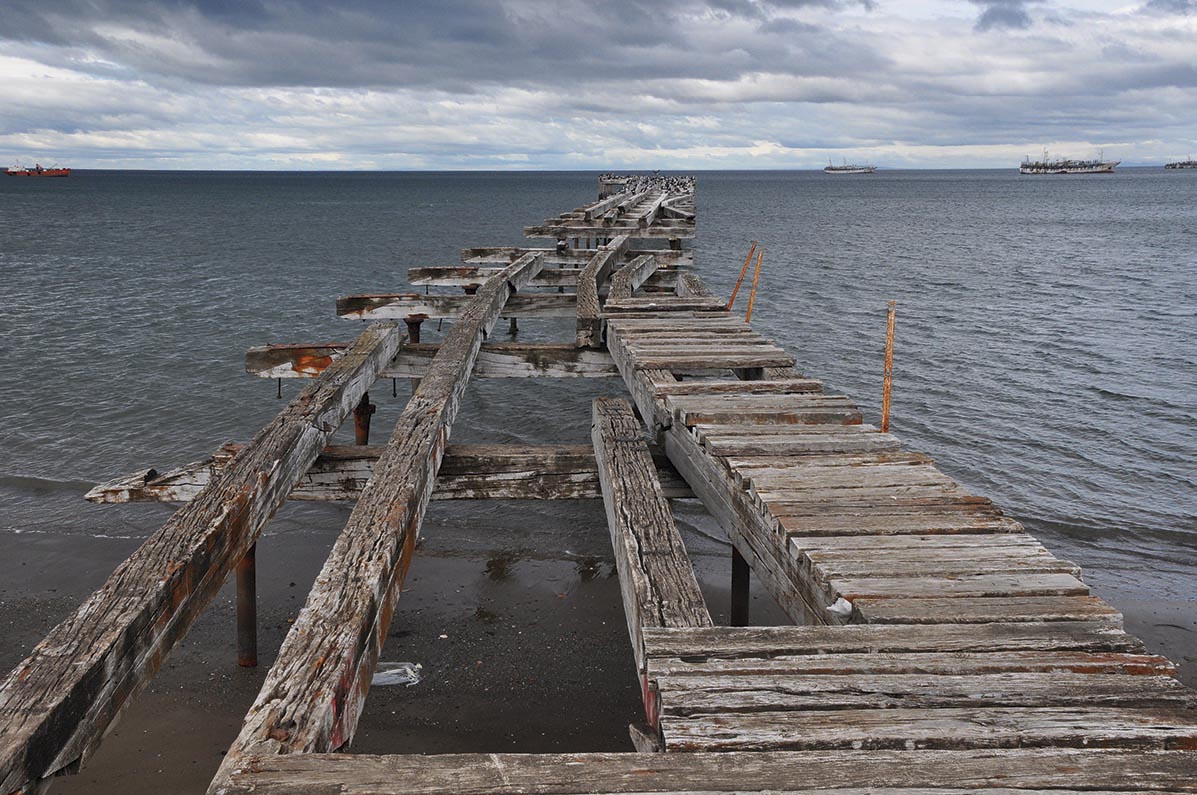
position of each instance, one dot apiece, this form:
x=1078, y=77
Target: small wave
x=40, y=485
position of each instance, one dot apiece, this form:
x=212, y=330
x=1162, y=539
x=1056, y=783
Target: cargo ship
x=37, y=171
x=1190, y=163
x=1067, y=166
x=847, y=168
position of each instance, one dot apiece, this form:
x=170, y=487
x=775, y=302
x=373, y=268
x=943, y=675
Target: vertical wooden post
x=739, y=590
x=361, y=420
x=514, y=327
x=247, y=609
x=743, y=273
x=756, y=277
x=888, y=382
x=413, y=326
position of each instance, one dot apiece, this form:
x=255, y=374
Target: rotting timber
x=936, y=646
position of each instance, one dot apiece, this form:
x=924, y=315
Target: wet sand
x=521, y=651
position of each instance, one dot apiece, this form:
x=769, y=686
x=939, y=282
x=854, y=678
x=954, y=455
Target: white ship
x=1190, y=163
x=1067, y=166
x=848, y=169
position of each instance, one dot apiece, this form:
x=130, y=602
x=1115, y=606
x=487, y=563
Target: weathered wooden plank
x=663, y=228
x=663, y=303
x=951, y=664
x=340, y=472
x=963, y=610
x=884, y=772
x=736, y=387
x=588, y=310
x=1161, y=728
x=58, y=702
x=731, y=642
x=473, y=275
x=831, y=414
x=578, y=257
x=629, y=278
x=890, y=524
x=692, y=696
x=839, y=570
x=690, y=284
x=656, y=578
x=711, y=361
x=312, y=696
x=960, y=584
x=398, y=306
x=495, y=360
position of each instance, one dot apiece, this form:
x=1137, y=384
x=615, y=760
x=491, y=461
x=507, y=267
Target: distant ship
x=848, y=169
x=37, y=171
x=1066, y=166
x=1190, y=163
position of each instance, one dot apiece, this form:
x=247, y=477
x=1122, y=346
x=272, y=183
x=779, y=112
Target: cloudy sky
x=484, y=84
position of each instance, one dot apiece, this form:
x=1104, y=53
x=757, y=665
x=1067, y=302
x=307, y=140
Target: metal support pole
x=413, y=326
x=361, y=419
x=247, y=609
x=739, y=590
x=888, y=381
x=514, y=327
x=743, y=273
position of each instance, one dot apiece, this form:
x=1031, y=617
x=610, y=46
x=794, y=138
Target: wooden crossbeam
x=397, y=306
x=613, y=202
x=495, y=360
x=312, y=697
x=627, y=279
x=58, y=703
x=662, y=230
x=577, y=257
x=596, y=272
x=468, y=471
x=473, y=275
x=881, y=772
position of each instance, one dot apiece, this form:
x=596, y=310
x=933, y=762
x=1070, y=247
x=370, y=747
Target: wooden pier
x=936, y=647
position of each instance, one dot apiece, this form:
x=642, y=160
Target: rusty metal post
x=247, y=609
x=888, y=381
x=756, y=277
x=361, y=420
x=743, y=273
x=413, y=326
x=739, y=590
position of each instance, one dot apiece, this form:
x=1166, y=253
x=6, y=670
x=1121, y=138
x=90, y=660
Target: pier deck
x=936, y=646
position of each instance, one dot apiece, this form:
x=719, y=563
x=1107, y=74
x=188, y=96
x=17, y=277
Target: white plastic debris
x=840, y=607
x=396, y=673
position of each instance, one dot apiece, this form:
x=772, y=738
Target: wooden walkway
x=936, y=646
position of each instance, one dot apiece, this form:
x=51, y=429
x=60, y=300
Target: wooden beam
x=882, y=772
x=468, y=471
x=596, y=272
x=627, y=279
x=576, y=257
x=59, y=702
x=312, y=697
x=612, y=202
x=495, y=360
x=397, y=306
x=655, y=574
x=467, y=275
x=661, y=230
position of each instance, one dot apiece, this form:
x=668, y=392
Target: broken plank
x=589, y=325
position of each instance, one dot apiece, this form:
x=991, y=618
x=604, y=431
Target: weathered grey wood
x=578, y=257
x=656, y=578
x=340, y=472
x=693, y=696
x=730, y=642
x=1161, y=728
x=495, y=360
x=884, y=772
x=467, y=275
x=690, y=284
x=662, y=228
x=312, y=696
x=663, y=303
x=719, y=387
x=628, y=279
x=879, y=663
x=959, y=584
x=58, y=702
x=398, y=306
x=594, y=275
x=961, y=610
x=612, y=202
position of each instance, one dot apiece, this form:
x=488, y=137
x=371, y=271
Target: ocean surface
x=1046, y=337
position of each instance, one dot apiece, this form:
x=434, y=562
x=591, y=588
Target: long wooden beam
x=312, y=697
x=472, y=275
x=397, y=306
x=662, y=229
x=57, y=704
x=627, y=279
x=612, y=202
x=495, y=360
x=596, y=272
x=468, y=471
x=577, y=257
x=881, y=772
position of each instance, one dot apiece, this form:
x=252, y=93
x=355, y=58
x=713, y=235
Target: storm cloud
x=625, y=83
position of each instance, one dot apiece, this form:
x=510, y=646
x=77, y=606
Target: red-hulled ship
x=37, y=171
